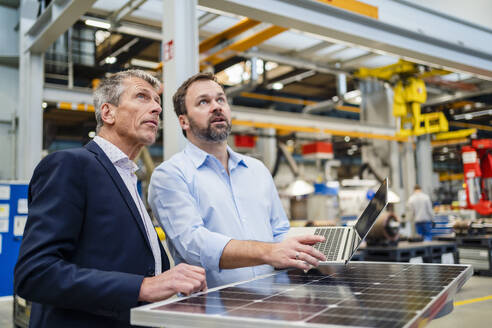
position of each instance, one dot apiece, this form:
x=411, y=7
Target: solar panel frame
x=349, y=281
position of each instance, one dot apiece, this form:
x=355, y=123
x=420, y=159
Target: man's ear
x=107, y=113
x=184, y=122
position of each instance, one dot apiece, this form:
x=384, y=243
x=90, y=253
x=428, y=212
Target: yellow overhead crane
x=409, y=94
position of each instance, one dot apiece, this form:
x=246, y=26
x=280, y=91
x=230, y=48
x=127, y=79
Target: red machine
x=477, y=168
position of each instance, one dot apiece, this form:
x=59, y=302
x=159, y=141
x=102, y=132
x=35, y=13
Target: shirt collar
x=199, y=156
x=115, y=155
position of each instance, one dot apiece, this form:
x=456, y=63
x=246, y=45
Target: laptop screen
x=371, y=212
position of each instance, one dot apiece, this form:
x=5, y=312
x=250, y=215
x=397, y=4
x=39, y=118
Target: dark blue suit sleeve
x=45, y=271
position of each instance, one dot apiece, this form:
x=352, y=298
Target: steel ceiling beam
x=206, y=18
x=456, y=96
x=57, y=18
x=350, y=28
x=294, y=61
x=125, y=11
x=313, y=49
x=357, y=60
x=312, y=123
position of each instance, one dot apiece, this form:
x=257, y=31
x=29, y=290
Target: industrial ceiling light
x=110, y=60
x=144, y=63
x=353, y=97
x=299, y=188
x=277, y=86
x=97, y=23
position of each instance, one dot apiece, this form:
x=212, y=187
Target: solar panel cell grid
x=359, y=294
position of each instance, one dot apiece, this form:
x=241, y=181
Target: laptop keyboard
x=331, y=246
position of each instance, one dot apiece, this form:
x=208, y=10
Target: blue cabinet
x=13, y=216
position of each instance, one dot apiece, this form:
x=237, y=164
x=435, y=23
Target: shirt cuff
x=213, y=252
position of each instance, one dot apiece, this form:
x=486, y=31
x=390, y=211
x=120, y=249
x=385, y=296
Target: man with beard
x=220, y=209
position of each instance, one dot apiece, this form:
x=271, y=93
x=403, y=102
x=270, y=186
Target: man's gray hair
x=110, y=89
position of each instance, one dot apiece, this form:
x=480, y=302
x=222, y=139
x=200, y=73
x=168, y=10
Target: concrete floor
x=476, y=314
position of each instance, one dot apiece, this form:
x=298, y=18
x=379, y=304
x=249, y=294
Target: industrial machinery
x=468, y=227
x=477, y=167
x=385, y=232
x=409, y=94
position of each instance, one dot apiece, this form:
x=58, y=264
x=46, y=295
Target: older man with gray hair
x=90, y=251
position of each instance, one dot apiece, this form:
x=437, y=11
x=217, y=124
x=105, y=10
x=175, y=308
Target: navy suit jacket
x=85, y=251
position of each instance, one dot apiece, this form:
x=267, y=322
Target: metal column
x=424, y=163
x=36, y=35
x=383, y=156
x=30, y=113
x=180, y=57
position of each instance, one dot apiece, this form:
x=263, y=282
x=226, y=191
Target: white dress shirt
x=127, y=168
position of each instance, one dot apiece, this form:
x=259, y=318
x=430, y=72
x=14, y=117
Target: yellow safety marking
x=295, y=101
x=451, y=177
x=74, y=106
x=439, y=143
x=257, y=38
x=471, y=125
x=348, y=108
x=242, y=45
x=354, y=6
x=473, y=300
x=278, y=98
x=366, y=135
x=296, y=128
x=243, y=25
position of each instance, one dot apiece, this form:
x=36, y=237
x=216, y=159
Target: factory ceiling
x=284, y=69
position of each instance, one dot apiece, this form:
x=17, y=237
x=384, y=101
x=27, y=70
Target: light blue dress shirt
x=202, y=208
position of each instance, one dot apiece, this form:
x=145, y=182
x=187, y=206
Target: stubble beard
x=211, y=133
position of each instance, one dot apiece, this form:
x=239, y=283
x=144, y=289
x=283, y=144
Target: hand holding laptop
x=342, y=242
x=296, y=252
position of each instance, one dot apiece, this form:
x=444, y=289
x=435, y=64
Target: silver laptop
x=341, y=243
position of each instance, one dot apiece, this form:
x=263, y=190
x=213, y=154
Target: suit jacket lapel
x=118, y=181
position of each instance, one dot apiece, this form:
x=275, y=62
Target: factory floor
x=473, y=306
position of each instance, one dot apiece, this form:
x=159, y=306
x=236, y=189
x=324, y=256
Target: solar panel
x=360, y=294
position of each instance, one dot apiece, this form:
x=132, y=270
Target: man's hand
x=296, y=252
x=183, y=278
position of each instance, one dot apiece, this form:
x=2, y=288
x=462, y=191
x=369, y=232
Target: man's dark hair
x=417, y=187
x=179, y=96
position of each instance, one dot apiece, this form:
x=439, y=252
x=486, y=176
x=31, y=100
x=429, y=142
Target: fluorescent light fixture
x=277, y=86
x=353, y=97
x=44, y=104
x=469, y=116
x=270, y=65
x=347, y=138
x=97, y=23
x=144, y=63
x=110, y=60
x=234, y=73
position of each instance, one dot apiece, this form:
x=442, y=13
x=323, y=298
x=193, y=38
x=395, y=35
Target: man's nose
x=216, y=106
x=157, y=109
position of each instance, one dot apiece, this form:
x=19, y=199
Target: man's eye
x=141, y=95
x=220, y=100
x=203, y=102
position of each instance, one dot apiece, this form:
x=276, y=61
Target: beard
x=211, y=133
